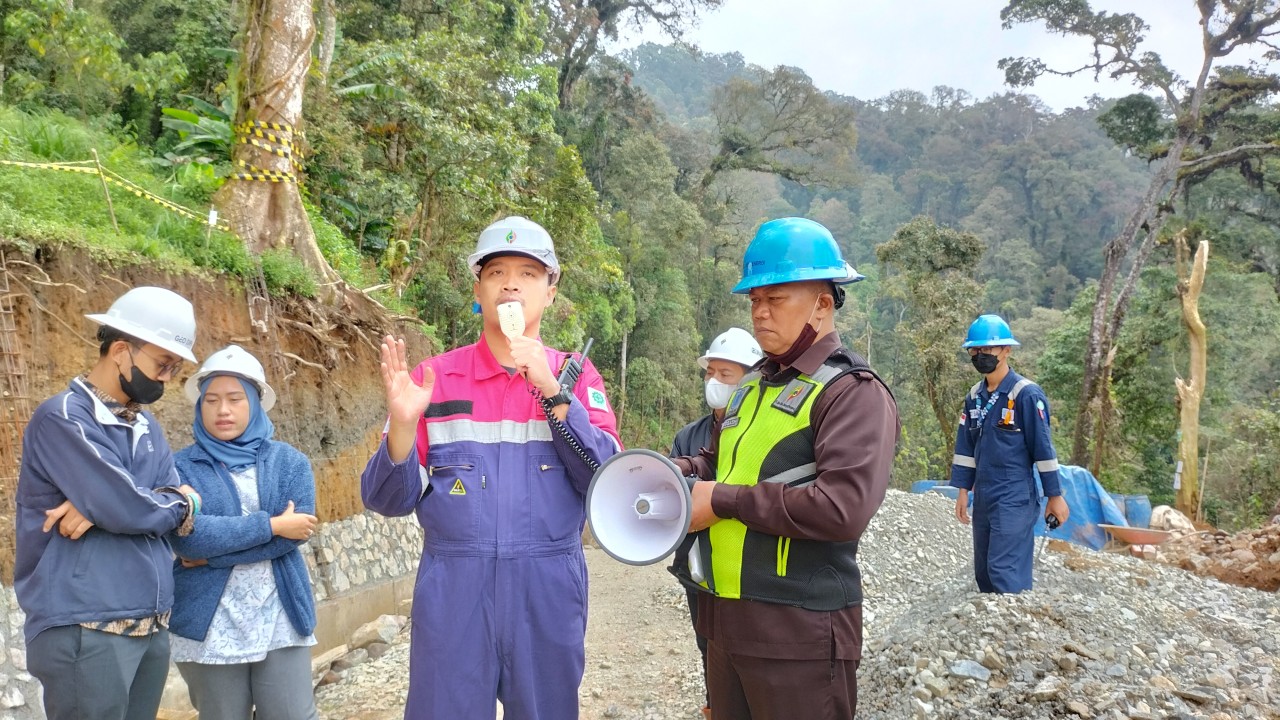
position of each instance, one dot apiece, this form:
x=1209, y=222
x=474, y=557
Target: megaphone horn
x=638, y=505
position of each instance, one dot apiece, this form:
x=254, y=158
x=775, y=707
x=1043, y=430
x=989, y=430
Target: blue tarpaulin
x=1090, y=505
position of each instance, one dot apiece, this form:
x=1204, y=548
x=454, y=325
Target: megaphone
x=639, y=505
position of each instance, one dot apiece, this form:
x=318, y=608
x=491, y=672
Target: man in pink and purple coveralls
x=500, y=601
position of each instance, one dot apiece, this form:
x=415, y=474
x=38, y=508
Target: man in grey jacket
x=98, y=591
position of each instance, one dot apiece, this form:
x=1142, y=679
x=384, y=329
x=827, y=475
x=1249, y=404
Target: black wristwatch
x=564, y=397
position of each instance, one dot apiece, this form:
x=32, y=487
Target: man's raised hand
x=406, y=399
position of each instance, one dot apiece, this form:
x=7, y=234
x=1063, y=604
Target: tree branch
x=1208, y=163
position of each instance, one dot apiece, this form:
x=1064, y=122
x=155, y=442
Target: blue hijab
x=243, y=451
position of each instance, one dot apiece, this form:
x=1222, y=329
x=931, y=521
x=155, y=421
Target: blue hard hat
x=793, y=250
x=989, y=331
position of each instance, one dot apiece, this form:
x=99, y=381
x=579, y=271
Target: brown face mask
x=803, y=342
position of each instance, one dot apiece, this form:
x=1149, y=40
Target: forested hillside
x=424, y=121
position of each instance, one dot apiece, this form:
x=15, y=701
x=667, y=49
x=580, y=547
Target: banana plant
x=205, y=129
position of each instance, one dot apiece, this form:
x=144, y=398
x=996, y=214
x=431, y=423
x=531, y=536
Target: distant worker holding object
x=800, y=466
x=1003, y=433
x=494, y=452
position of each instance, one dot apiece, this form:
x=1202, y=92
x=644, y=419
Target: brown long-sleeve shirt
x=855, y=423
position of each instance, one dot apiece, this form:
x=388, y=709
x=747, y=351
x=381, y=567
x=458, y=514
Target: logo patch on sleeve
x=793, y=396
x=596, y=399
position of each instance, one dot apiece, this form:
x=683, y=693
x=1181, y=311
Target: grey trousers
x=277, y=687
x=93, y=675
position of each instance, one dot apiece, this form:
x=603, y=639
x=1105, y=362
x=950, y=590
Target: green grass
x=47, y=207
x=53, y=207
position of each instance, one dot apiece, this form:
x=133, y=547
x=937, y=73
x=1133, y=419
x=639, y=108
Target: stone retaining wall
x=362, y=550
x=19, y=692
x=343, y=557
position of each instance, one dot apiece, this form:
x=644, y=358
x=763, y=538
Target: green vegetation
x=652, y=170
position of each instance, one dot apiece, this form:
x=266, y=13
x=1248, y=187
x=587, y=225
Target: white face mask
x=718, y=393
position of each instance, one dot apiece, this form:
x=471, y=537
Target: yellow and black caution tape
x=255, y=173
x=143, y=193
x=88, y=167
x=280, y=127
x=274, y=138
x=250, y=130
x=280, y=151
x=76, y=167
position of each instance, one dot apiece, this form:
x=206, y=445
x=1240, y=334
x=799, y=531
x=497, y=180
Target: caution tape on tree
x=255, y=173
x=273, y=138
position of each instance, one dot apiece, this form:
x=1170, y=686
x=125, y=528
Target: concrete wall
x=361, y=567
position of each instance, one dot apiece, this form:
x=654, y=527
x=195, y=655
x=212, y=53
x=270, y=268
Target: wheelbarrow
x=1135, y=540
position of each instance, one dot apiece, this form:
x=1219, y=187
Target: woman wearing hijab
x=243, y=612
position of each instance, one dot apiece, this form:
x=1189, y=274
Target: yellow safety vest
x=766, y=436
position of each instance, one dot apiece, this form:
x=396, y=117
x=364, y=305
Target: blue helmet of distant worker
x=791, y=250
x=989, y=331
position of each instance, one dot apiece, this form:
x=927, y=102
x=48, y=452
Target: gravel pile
x=1102, y=636
x=913, y=545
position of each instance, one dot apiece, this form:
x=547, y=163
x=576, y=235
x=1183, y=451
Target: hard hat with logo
x=793, y=250
x=232, y=360
x=736, y=345
x=989, y=331
x=515, y=235
x=154, y=315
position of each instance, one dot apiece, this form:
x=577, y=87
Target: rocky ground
x=1103, y=636
x=1250, y=558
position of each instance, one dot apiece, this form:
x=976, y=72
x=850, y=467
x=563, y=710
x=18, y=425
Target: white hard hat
x=154, y=315
x=516, y=236
x=232, y=360
x=736, y=345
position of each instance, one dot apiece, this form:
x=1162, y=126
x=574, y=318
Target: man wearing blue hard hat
x=800, y=465
x=1004, y=431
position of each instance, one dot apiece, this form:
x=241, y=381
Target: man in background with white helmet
x=727, y=360
x=98, y=590
x=500, y=605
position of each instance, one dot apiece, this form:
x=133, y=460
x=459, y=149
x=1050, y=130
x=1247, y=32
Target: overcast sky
x=868, y=48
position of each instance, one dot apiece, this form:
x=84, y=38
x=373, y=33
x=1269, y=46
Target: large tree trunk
x=1191, y=390
x=328, y=37
x=573, y=63
x=1108, y=316
x=261, y=201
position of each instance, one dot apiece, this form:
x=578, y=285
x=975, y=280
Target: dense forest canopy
x=424, y=120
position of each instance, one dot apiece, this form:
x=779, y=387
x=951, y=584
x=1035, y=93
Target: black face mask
x=985, y=363
x=141, y=388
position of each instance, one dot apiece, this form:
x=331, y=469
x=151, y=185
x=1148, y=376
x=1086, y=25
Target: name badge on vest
x=793, y=396
x=736, y=400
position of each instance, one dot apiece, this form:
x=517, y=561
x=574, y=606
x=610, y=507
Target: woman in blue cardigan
x=243, y=612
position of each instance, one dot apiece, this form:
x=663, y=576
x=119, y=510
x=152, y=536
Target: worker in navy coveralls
x=1003, y=433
